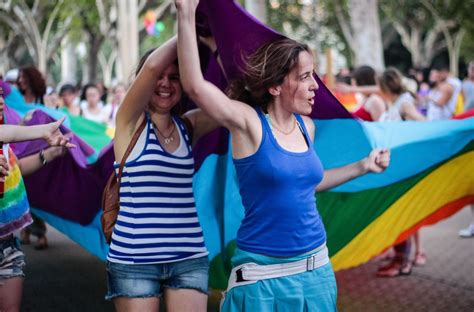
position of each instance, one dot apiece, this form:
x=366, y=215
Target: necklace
x=272, y=126
x=167, y=138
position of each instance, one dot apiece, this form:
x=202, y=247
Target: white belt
x=250, y=273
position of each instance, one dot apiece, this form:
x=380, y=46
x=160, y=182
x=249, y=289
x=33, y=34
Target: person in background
x=68, y=95
x=400, y=106
x=372, y=105
x=14, y=210
x=468, y=93
x=32, y=85
x=118, y=93
x=441, y=97
x=93, y=108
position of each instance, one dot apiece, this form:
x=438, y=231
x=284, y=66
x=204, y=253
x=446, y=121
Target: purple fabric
x=238, y=34
x=68, y=190
x=6, y=88
x=80, y=153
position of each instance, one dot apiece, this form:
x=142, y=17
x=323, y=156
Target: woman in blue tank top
x=157, y=248
x=281, y=261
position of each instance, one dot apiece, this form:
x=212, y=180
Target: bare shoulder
x=376, y=100
x=310, y=126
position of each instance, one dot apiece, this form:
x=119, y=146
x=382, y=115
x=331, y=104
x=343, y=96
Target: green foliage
x=286, y=18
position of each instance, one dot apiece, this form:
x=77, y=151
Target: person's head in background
x=91, y=94
x=67, y=93
x=391, y=83
x=31, y=84
x=118, y=93
x=364, y=76
x=439, y=73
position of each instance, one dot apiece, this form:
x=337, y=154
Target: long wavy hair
x=35, y=80
x=265, y=68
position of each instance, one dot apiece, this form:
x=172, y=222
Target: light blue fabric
x=415, y=146
x=16, y=102
x=310, y=291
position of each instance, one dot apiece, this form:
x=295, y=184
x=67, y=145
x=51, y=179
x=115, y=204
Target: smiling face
x=299, y=86
x=168, y=91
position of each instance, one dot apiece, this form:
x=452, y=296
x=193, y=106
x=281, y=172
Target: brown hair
x=180, y=107
x=35, y=80
x=364, y=76
x=265, y=68
x=390, y=81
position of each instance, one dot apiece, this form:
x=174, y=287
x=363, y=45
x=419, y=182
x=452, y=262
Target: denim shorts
x=149, y=280
x=12, y=259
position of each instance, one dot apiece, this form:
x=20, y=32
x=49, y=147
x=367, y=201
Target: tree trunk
x=128, y=34
x=68, y=62
x=92, y=62
x=368, y=48
x=257, y=8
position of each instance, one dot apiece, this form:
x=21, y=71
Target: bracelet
x=42, y=158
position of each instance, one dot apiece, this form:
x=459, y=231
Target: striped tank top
x=157, y=221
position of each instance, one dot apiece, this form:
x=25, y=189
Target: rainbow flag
x=14, y=207
x=430, y=176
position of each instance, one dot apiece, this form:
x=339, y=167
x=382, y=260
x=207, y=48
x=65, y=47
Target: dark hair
x=265, y=68
x=390, y=81
x=440, y=66
x=180, y=107
x=364, y=76
x=35, y=80
x=85, y=88
x=66, y=88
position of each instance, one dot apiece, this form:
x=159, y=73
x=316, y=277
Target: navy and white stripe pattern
x=157, y=222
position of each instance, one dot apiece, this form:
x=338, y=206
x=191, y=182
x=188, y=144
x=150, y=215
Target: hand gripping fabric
x=110, y=197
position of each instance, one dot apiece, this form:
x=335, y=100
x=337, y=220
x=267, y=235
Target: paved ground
x=67, y=278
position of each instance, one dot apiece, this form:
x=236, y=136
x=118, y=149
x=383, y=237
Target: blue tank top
x=278, y=193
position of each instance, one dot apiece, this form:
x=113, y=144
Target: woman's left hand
x=54, y=137
x=377, y=161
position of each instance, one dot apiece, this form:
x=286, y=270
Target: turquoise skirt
x=309, y=291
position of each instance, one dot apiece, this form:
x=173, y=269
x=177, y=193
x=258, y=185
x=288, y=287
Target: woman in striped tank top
x=157, y=247
x=281, y=261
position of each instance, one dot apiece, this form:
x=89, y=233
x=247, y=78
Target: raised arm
x=138, y=95
x=229, y=113
x=409, y=112
x=446, y=94
x=377, y=161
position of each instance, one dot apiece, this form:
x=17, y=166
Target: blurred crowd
x=93, y=101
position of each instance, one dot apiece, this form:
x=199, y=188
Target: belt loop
x=310, y=264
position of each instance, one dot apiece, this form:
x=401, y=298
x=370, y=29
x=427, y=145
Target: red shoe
x=395, y=269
